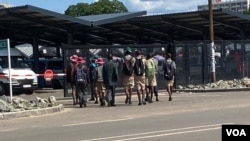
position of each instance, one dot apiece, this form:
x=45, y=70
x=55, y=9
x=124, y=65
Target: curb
x=211, y=90
x=29, y=113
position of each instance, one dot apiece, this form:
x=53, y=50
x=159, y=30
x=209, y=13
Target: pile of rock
x=18, y=104
x=221, y=84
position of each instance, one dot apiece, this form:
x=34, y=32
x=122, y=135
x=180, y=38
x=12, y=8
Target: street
x=189, y=117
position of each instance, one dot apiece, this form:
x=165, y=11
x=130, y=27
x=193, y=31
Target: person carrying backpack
x=139, y=74
x=169, y=69
x=150, y=77
x=92, y=72
x=82, y=81
x=128, y=74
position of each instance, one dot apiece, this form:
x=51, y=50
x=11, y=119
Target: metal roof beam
x=36, y=20
x=181, y=25
x=220, y=21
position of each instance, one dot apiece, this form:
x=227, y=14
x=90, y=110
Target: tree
x=99, y=7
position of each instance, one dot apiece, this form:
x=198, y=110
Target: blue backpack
x=80, y=75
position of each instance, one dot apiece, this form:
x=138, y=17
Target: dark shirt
x=110, y=73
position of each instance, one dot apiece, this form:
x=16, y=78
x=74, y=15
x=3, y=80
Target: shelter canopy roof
x=21, y=24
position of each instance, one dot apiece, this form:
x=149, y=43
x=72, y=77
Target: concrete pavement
x=66, y=102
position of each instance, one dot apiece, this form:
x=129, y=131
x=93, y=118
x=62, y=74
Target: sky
x=151, y=6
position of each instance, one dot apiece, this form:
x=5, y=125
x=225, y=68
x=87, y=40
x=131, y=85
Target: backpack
x=80, y=75
x=150, y=69
x=93, y=73
x=139, y=67
x=168, y=70
x=127, y=67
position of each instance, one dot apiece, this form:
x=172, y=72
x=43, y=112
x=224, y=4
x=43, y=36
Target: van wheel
x=56, y=84
x=2, y=89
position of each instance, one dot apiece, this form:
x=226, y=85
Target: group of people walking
x=135, y=71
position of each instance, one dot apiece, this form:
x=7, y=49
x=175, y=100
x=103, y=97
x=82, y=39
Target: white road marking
x=7, y=129
x=168, y=134
x=95, y=122
x=207, y=127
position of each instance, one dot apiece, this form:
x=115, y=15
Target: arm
x=72, y=72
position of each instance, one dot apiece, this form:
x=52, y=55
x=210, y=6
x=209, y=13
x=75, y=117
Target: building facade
x=234, y=5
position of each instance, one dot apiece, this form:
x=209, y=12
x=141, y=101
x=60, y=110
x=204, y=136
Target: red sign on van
x=48, y=75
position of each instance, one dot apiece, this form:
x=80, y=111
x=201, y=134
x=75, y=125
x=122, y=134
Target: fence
x=192, y=59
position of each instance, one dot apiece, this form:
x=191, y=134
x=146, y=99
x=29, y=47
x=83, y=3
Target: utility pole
x=212, y=47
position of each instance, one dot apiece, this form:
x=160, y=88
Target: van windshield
x=16, y=62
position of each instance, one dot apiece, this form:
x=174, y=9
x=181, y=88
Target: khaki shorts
x=100, y=87
x=128, y=81
x=169, y=82
x=151, y=81
x=140, y=82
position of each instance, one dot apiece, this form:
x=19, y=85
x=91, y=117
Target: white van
x=24, y=80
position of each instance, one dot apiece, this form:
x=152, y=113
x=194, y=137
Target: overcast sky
x=151, y=6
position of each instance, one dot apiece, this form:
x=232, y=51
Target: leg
x=126, y=89
x=139, y=96
x=102, y=98
x=113, y=96
x=96, y=93
x=85, y=93
x=80, y=95
x=151, y=89
x=108, y=96
x=169, y=90
x=92, y=92
x=130, y=95
x=156, y=93
x=73, y=87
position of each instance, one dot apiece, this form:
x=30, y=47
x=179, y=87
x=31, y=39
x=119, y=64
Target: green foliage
x=246, y=12
x=100, y=7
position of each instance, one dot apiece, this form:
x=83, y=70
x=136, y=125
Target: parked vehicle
x=24, y=80
x=54, y=64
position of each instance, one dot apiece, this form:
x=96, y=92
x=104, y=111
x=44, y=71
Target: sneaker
x=92, y=99
x=109, y=104
x=157, y=99
x=170, y=99
x=126, y=100
x=102, y=103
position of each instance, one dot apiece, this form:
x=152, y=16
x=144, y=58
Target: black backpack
x=93, y=73
x=139, y=67
x=168, y=70
x=128, y=68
